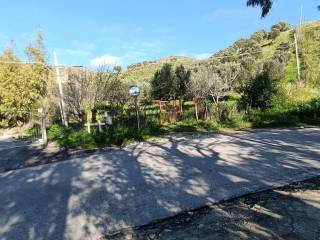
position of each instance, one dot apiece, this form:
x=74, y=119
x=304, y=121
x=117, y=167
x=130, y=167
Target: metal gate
x=33, y=130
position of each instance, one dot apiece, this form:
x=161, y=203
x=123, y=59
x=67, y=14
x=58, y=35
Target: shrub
x=259, y=92
x=274, y=33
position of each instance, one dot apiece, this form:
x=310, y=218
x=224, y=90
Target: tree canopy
x=265, y=5
x=22, y=85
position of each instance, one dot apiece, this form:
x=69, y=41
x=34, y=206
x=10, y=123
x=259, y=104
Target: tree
x=275, y=33
x=77, y=93
x=38, y=71
x=182, y=81
x=221, y=79
x=259, y=91
x=265, y=5
x=259, y=36
x=87, y=91
x=241, y=49
x=282, y=26
x=162, y=83
x=22, y=86
x=215, y=81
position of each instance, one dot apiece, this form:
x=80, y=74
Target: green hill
x=264, y=44
x=143, y=72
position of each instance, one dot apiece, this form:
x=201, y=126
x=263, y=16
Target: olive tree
x=87, y=91
x=214, y=81
x=219, y=79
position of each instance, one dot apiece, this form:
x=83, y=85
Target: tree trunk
x=83, y=117
x=181, y=105
x=94, y=115
x=206, y=111
x=196, y=109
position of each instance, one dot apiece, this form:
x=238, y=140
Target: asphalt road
x=86, y=197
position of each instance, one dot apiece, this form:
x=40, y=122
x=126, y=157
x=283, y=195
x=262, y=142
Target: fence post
x=88, y=127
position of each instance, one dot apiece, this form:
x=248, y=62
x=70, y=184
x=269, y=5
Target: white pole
x=297, y=56
x=137, y=111
x=61, y=101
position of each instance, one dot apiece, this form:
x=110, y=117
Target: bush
x=260, y=91
x=281, y=26
x=307, y=113
x=224, y=111
x=274, y=33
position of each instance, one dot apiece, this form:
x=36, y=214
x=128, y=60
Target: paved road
x=86, y=197
x=21, y=153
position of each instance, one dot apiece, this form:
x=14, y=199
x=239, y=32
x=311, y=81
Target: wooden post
x=88, y=127
x=99, y=126
x=44, y=136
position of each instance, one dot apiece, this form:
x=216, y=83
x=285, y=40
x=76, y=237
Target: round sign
x=134, y=91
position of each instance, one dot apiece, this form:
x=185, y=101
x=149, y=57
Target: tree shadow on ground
x=285, y=213
x=107, y=191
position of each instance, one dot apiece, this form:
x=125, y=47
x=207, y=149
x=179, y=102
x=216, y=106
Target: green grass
x=124, y=131
x=270, y=46
x=294, y=115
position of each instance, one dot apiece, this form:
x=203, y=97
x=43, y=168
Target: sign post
x=135, y=92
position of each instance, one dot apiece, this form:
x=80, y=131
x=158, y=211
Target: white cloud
x=105, y=60
x=202, y=56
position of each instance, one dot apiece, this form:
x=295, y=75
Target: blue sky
x=127, y=31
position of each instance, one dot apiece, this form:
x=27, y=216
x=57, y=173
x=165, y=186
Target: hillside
x=144, y=71
x=141, y=73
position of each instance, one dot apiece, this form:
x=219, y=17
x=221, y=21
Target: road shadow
x=107, y=191
x=289, y=212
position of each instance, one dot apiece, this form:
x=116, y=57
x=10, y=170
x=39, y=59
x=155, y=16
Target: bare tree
x=77, y=93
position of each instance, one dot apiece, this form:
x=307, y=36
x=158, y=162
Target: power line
x=41, y=63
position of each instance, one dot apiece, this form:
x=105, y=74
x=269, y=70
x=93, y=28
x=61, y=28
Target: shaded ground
x=291, y=212
x=18, y=153
x=103, y=192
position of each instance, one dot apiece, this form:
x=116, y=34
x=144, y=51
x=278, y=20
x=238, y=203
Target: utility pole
x=61, y=101
x=301, y=15
x=296, y=36
x=297, y=56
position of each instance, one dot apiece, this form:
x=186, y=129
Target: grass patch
x=124, y=130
